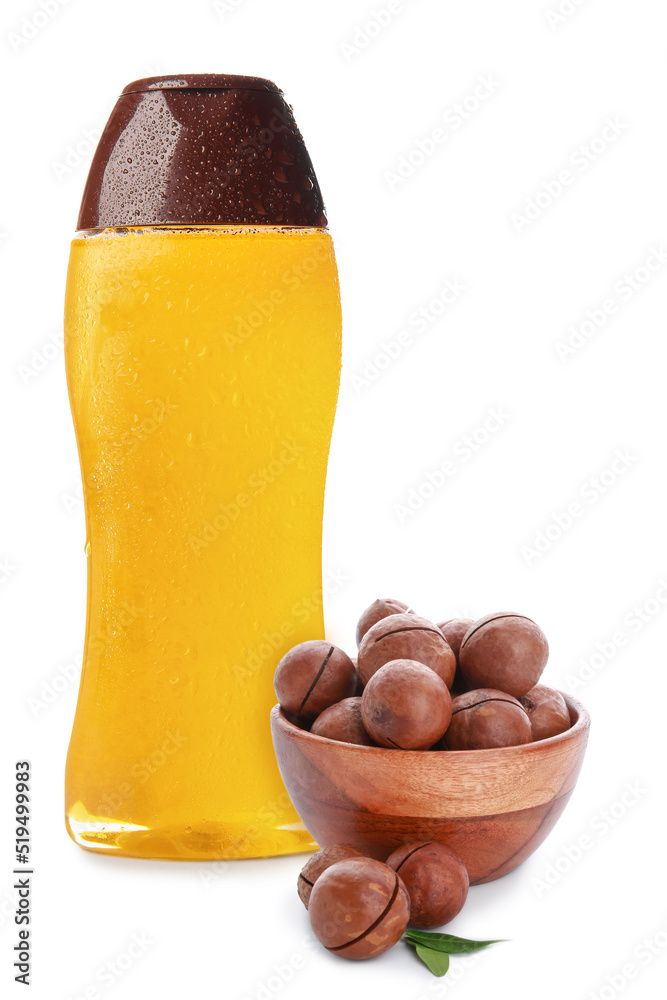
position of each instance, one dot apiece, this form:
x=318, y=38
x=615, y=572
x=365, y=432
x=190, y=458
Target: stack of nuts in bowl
x=416, y=685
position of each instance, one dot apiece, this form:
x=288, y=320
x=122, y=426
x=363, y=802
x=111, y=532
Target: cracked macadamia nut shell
x=406, y=637
x=406, y=705
x=312, y=676
x=547, y=711
x=504, y=651
x=484, y=718
x=359, y=908
x=436, y=880
x=319, y=862
x=376, y=611
x=454, y=630
x=343, y=722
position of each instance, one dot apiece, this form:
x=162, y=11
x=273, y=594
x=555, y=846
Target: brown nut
x=359, y=685
x=359, y=908
x=406, y=637
x=312, y=676
x=436, y=880
x=406, y=705
x=504, y=651
x=486, y=718
x=454, y=630
x=343, y=722
x=376, y=611
x=319, y=862
x=547, y=711
x=441, y=743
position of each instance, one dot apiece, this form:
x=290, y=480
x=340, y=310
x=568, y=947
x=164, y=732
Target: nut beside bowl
x=491, y=807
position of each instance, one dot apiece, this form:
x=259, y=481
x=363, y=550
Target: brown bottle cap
x=201, y=149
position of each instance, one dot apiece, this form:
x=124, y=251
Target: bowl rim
x=578, y=728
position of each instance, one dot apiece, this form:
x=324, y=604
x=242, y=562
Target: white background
x=362, y=108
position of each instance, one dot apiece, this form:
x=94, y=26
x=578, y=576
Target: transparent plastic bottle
x=203, y=339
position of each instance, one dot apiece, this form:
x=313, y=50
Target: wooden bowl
x=492, y=807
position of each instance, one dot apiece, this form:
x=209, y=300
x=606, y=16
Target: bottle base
x=228, y=841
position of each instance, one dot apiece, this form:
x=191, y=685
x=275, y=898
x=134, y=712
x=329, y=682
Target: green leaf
x=448, y=943
x=437, y=961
